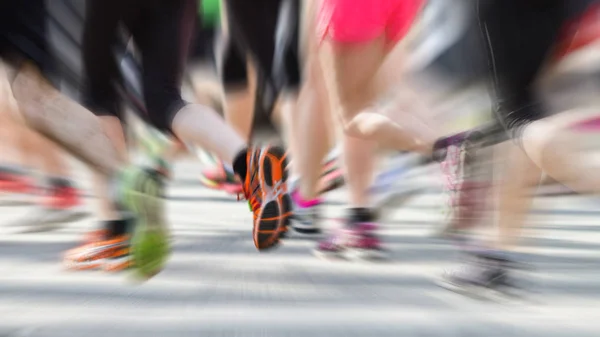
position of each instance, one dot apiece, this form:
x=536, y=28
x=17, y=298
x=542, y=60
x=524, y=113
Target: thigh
x=287, y=68
x=352, y=73
x=100, y=67
x=164, y=35
x=252, y=26
x=24, y=36
x=518, y=37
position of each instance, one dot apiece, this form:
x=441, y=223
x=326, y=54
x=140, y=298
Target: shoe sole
x=306, y=231
x=116, y=265
x=150, y=245
x=274, y=216
x=480, y=293
x=300, y=228
x=367, y=255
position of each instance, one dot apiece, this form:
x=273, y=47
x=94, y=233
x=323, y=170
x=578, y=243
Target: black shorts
x=519, y=36
x=268, y=31
x=203, y=47
x=162, y=31
x=24, y=35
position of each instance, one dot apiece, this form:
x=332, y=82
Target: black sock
x=360, y=215
x=56, y=182
x=117, y=227
x=239, y=164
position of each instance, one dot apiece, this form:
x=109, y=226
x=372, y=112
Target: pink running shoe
x=218, y=178
x=357, y=241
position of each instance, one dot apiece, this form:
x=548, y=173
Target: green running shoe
x=141, y=192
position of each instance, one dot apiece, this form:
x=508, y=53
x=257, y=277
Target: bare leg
x=311, y=116
x=64, y=121
x=548, y=147
x=239, y=105
x=359, y=74
x=519, y=177
x=52, y=161
x=113, y=129
x=9, y=128
x=356, y=87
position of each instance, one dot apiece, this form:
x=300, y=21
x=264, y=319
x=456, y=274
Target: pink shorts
x=355, y=21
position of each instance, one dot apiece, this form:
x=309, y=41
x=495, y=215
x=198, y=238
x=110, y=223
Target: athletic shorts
x=24, y=36
x=519, y=36
x=162, y=31
x=268, y=31
x=357, y=21
x=203, y=47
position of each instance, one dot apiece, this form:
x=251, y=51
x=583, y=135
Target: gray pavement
x=217, y=284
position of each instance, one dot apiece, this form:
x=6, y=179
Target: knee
x=364, y=125
x=162, y=105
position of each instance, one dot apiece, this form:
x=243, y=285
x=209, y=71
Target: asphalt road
x=217, y=284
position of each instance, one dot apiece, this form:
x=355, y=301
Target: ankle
x=240, y=164
x=358, y=215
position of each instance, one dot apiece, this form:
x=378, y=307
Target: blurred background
x=217, y=284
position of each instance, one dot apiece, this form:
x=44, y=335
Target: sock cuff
x=240, y=165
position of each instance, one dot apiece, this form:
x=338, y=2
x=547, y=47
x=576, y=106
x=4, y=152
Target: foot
x=219, y=178
x=141, y=192
x=306, y=217
x=63, y=203
x=59, y=206
x=482, y=275
x=357, y=240
x=111, y=254
x=265, y=188
x=332, y=177
x=15, y=183
x=15, y=187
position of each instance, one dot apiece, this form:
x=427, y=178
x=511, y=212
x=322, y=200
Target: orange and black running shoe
x=110, y=254
x=265, y=188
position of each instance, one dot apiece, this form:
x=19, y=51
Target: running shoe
x=332, y=177
x=95, y=236
x=153, y=144
x=356, y=241
x=15, y=188
x=265, y=188
x=61, y=205
x=219, y=178
x=483, y=276
x=15, y=183
x=141, y=192
x=111, y=254
x=306, y=218
x=120, y=260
